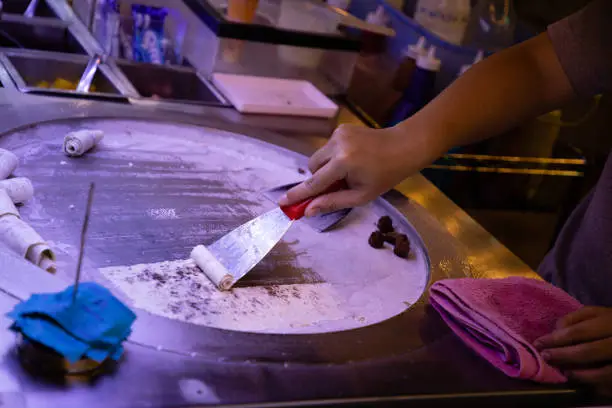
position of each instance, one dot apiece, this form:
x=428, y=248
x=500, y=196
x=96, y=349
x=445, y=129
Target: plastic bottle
x=377, y=17
x=479, y=57
x=404, y=72
x=421, y=88
x=448, y=19
x=371, y=42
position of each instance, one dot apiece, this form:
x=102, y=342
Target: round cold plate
x=163, y=188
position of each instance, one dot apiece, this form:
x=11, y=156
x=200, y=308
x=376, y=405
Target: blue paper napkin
x=94, y=326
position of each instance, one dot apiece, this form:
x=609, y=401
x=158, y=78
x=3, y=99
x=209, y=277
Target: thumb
x=321, y=180
x=585, y=313
x=335, y=201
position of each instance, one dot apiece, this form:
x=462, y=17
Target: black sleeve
x=583, y=44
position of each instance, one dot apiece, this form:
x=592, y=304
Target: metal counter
x=408, y=358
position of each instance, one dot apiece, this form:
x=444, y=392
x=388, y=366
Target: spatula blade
x=243, y=248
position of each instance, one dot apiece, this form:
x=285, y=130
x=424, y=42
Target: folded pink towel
x=501, y=318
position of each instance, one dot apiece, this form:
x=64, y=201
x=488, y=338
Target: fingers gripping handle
x=297, y=210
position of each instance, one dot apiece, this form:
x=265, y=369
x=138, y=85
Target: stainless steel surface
x=5, y=80
x=40, y=34
x=30, y=10
x=65, y=34
x=170, y=84
x=244, y=247
x=36, y=71
x=89, y=73
x=87, y=41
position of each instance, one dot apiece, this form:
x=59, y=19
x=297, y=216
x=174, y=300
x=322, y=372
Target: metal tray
x=41, y=8
x=173, y=84
x=38, y=34
x=33, y=69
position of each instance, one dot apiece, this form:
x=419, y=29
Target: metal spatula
x=320, y=223
x=236, y=253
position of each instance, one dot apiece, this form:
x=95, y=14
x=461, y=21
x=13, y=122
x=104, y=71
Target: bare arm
x=494, y=95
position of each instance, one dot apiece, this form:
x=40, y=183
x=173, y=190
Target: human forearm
x=493, y=96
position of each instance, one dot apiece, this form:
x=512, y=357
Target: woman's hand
x=370, y=161
x=493, y=96
x=582, y=346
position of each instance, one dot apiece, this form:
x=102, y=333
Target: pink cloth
x=501, y=318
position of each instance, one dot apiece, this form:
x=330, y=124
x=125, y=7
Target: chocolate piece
x=402, y=249
x=393, y=237
x=385, y=224
x=376, y=240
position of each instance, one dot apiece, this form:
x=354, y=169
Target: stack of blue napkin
x=94, y=326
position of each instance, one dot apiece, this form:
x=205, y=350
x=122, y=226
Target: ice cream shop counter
x=108, y=176
x=324, y=319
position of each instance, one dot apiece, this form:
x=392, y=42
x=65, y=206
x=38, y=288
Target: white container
x=250, y=94
x=448, y=19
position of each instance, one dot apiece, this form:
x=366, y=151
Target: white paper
x=8, y=163
x=212, y=268
x=41, y=255
x=77, y=143
x=19, y=189
x=25, y=241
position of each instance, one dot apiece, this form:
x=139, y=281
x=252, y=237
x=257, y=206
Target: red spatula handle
x=296, y=211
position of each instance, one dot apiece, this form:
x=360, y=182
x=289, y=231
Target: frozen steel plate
x=164, y=188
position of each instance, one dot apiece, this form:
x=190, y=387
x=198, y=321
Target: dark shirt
x=581, y=259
